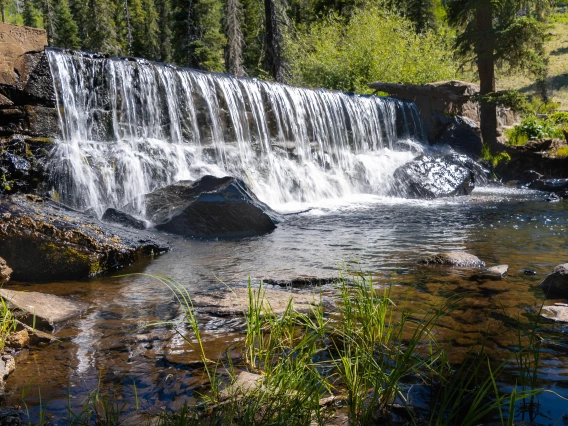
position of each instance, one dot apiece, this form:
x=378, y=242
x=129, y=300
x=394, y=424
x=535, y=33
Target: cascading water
x=131, y=126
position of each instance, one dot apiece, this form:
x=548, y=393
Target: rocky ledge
x=42, y=240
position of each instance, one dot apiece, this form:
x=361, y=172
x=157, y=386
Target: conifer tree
x=101, y=34
x=421, y=13
x=3, y=9
x=234, y=50
x=28, y=14
x=67, y=31
x=494, y=31
x=198, y=39
x=252, y=27
x=80, y=12
x=163, y=9
x=274, y=40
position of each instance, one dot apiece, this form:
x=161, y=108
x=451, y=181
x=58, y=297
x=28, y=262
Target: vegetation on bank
x=360, y=362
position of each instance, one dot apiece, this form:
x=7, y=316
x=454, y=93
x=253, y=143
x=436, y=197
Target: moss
x=68, y=259
x=40, y=140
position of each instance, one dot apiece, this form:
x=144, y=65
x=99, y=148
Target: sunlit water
x=381, y=236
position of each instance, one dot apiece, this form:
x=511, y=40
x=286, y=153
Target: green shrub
x=559, y=118
x=374, y=46
x=562, y=152
x=534, y=128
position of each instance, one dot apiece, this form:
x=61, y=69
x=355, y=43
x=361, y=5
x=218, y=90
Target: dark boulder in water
x=116, y=216
x=210, y=207
x=555, y=285
x=549, y=185
x=43, y=240
x=435, y=177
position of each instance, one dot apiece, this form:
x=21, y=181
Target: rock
x=460, y=133
x=556, y=284
x=549, y=185
x=454, y=258
x=434, y=177
x=18, y=340
x=7, y=367
x=552, y=198
x=300, y=282
x=43, y=240
x=210, y=207
x=5, y=271
x=235, y=301
x=529, y=271
x=444, y=99
x=245, y=383
x=11, y=417
x=44, y=310
x=15, y=41
x=493, y=273
x=530, y=175
x=557, y=312
x=121, y=218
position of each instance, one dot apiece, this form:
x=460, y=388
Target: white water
x=130, y=127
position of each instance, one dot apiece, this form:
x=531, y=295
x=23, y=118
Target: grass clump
x=7, y=322
x=562, y=152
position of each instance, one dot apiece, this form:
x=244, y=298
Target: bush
x=374, y=46
x=534, y=128
x=562, y=152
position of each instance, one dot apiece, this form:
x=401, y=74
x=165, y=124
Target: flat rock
x=556, y=284
x=120, y=218
x=454, y=258
x=549, y=185
x=235, y=301
x=5, y=271
x=245, y=383
x=557, y=312
x=43, y=240
x=493, y=273
x=45, y=310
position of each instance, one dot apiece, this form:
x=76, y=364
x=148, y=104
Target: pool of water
x=114, y=343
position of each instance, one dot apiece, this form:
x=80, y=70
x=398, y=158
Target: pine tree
x=253, y=36
x=3, y=9
x=29, y=14
x=67, y=31
x=421, y=13
x=101, y=33
x=274, y=40
x=234, y=50
x=198, y=40
x=80, y=12
x=49, y=20
x=494, y=31
x=163, y=8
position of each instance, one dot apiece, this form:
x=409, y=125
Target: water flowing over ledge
x=131, y=126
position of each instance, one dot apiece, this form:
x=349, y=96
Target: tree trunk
x=128, y=26
x=273, y=42
x=486, y=67
x=234, y=50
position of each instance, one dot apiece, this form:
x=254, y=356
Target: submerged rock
x=493, y=273
x=43, y=240
x=557, y=312
x=235, y=301
x=44, y=310
x=454, y=258
x=210, y=207
x=435, y=177
x=556, y=284
x=5, y=271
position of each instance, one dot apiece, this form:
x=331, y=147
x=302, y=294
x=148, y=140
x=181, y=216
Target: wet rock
x=549, y=185
x=529, y=271
x=210, y=207
x=11, y=417
x=300, y=282
x=552, y=198
x=235, y=301
x=556, y=284
x=5, y=271
x=456, y=258
x=557, y=312
x=530, y=175
x=460, y=133
x=43, y=240
x=45, y=311
x=435, y=177
x=18, y=340
x=116, y=216
x=7, y=367
x=493, y=273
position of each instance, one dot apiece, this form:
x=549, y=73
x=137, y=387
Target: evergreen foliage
x=67, y=31
x=29, y=14
x=234, y=50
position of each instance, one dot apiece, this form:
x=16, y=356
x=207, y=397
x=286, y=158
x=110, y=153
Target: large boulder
x=556, y=284
x=43, y=240
x=460, y=133
x=453, y=258
x=210, y=207
x=435, y=177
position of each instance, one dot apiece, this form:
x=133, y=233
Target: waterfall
x=130, y=126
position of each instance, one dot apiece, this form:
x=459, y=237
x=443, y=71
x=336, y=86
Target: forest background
x=336, y=44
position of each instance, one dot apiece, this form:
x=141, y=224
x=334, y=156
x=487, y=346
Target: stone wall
x=29, y=121
x=445, y=107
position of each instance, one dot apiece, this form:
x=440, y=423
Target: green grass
x=562, y=152
x=557, y=50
